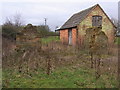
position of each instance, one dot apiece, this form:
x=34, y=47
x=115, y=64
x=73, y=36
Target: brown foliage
x=97, y=45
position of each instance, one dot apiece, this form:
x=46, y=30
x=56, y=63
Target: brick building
x=73, y=31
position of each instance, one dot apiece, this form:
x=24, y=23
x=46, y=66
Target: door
x=70, y=36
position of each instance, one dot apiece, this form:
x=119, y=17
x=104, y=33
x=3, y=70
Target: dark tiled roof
x=77, y=18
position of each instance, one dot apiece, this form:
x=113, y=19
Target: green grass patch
x=49, y=39
x=60, y=78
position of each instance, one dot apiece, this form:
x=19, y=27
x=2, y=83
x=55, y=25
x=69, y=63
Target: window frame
x=97, y=21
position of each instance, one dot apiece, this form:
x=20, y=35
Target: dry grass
x=30, y=59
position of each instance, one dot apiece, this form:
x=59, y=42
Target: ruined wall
x=107, y=26
x=29, y=34
x=64, y=36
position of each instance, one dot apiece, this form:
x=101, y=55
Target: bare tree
x=8, y=21
x=18, y=21
x=15, y=20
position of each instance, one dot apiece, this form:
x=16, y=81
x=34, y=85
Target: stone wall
x=107, y=26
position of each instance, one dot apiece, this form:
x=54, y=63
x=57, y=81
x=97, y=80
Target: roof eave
x=66, y=28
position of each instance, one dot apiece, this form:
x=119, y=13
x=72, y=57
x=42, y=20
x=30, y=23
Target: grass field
x=77, y=74
x=60, y=78
x=71, y=69
x=49, y=39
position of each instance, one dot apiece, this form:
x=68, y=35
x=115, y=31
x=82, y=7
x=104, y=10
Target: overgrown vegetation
x=56, y=66
x=117, y=40
x=97, y=45
x=64, y=77
x=44, y=62
x=9, y=30
x=45, y=31
x=12, y=26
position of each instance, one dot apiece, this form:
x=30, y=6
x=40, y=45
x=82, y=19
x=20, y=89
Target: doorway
x=70, y=36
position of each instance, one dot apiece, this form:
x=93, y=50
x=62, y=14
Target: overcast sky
x=56, y=11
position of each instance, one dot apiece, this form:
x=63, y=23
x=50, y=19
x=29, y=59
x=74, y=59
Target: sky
x=56, y=11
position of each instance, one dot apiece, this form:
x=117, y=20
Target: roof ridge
x=87, y=9
x=74, y=19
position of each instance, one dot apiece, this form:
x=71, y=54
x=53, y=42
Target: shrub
x=45, y=31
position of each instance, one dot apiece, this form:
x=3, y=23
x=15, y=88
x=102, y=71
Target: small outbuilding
x=73, y=31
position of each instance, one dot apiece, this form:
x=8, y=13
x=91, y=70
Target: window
x=97, y=21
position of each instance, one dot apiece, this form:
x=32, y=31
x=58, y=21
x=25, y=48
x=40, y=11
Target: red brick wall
x=74, y=36
x=64, y=36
